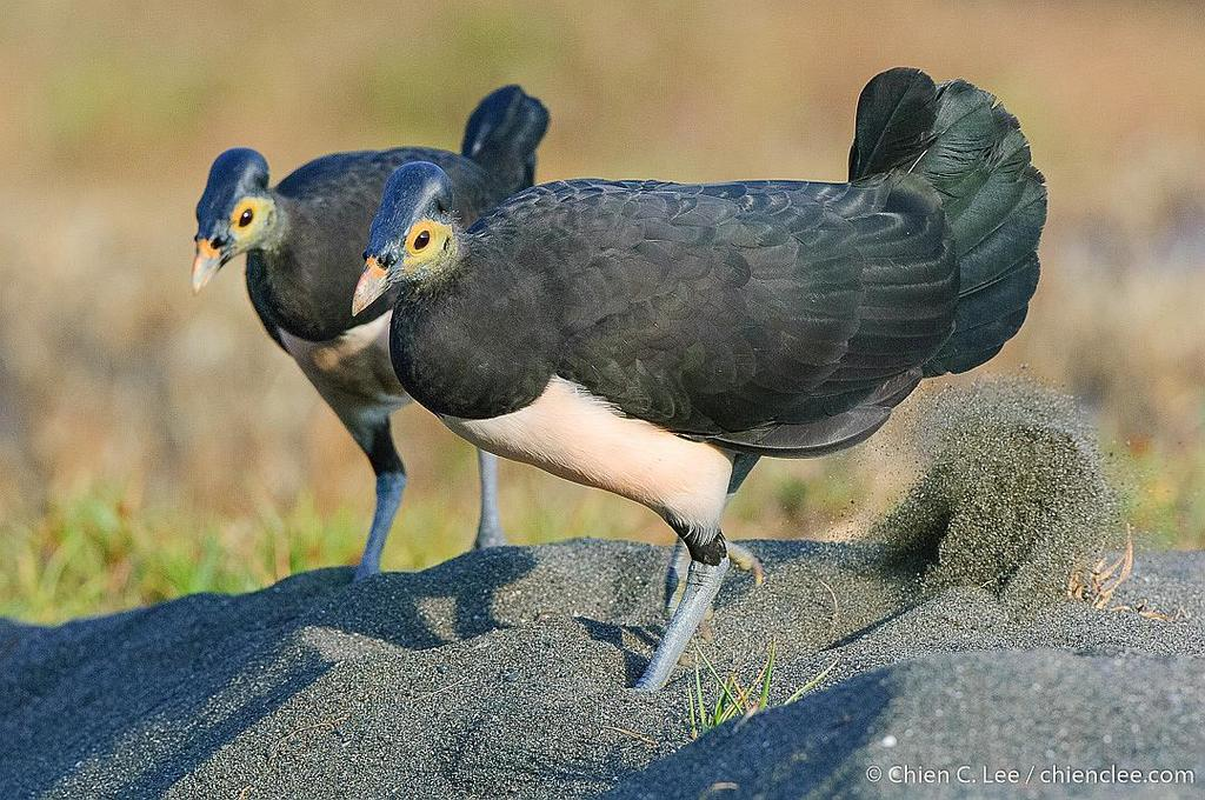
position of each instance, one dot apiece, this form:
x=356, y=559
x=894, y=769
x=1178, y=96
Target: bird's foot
x=741, y=557
x=365, y=570
x=489, y=536
x=744, y=560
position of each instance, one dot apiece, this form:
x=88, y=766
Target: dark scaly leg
x=489, y=528
x=742, y=465
x=391, y=482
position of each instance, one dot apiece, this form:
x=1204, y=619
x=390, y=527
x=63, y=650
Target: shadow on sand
x=228, y=664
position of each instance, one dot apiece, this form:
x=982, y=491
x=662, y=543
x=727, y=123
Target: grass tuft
x=732, y=698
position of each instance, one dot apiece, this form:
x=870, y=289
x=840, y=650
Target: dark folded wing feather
x=719, y=309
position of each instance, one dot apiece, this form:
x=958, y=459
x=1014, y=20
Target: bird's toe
x=743, y=559
x=365, y=571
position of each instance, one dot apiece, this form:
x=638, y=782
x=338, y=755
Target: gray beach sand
x=502, y=674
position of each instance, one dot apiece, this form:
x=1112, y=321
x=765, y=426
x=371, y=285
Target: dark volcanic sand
x=503, y=673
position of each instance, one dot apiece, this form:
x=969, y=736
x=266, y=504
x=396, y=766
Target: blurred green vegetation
x=95, y=550
x=98, y=548
x=153, y=444
x=1164, y=495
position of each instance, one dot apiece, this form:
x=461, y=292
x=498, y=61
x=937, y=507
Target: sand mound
x=956, y=726
x=1013, y=498
x=502, y=674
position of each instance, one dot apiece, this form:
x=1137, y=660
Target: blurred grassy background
x=153, y=444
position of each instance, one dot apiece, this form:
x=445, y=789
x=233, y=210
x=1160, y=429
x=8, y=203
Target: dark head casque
x=414, y=191
x=235, y=173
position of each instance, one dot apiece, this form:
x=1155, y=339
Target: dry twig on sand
x=1096, y=585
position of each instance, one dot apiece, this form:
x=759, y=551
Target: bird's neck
x=472, y=339
x=276, y=237
x=304, y=275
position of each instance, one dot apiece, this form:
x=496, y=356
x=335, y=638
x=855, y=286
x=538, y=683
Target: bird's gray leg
x=741, y=557
x=391, y=482
x=708, y=565
x=390, y=486
x=489, y=528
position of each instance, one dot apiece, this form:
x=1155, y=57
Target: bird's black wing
x=330, y=203
x=723, y=310
x=355, y=180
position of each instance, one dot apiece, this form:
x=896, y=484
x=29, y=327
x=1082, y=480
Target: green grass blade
x=812, y=684
x=767, y=677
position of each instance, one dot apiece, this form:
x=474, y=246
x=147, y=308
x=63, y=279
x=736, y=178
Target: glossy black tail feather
x=894, y=124
x=972, y=151
x=503, y=133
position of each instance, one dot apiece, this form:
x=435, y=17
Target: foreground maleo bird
x=304, y=241
x=656, y=339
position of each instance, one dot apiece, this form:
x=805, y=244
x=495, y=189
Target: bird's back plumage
x=305, y=285
x=708, y=309
x=771, y=317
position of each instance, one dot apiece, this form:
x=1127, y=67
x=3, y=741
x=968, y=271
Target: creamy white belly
x=352, y=372
x=582, y=438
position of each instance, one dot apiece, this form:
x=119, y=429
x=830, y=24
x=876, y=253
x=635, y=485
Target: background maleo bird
x=301, y=238
x=153, y=444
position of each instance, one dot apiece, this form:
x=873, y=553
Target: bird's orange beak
x=371, y=286
x=205, y=265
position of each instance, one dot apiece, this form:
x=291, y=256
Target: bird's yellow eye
x=421, y=236
x=249, y=214
x=428, y=241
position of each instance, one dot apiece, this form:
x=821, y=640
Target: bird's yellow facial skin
x=247, y=227
x=427, y=239
x=427, y=244
x=248, y=218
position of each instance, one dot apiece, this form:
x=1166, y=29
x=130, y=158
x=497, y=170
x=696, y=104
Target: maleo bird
x=655, y=339
x=304, y=241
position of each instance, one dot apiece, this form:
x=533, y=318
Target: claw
x=743, y=559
